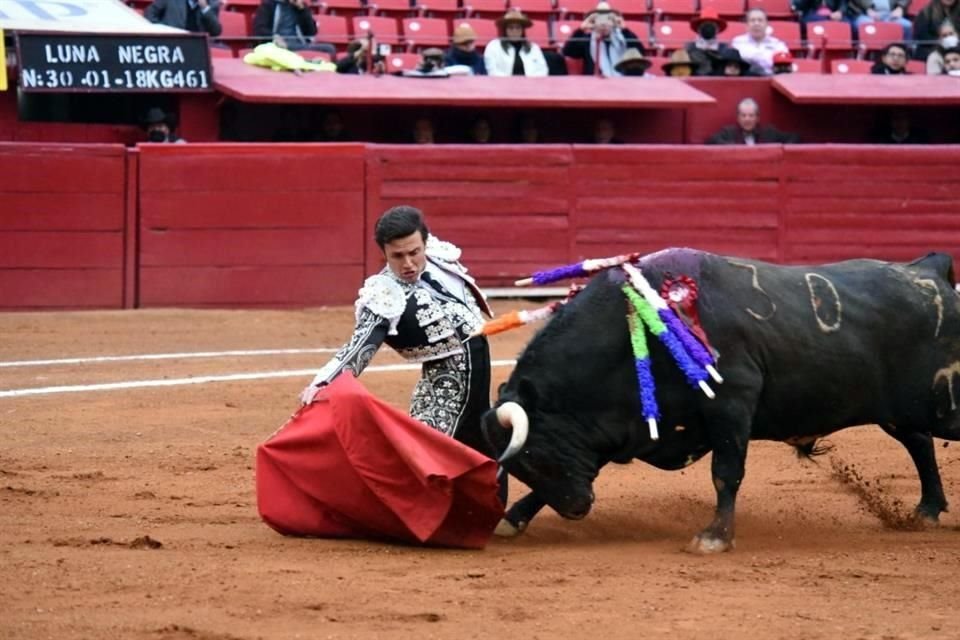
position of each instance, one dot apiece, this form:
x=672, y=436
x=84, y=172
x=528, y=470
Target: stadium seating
x=729, y=9
x=439, y=8
x=538, y=10
x=563, y=29
x=539, y=33
x=789, y=32
x=484, y=8
x=332, y=29
x=384, y=29
x=775, y=9
x=347, y=8
x=426, y=32
x=874, y=36
x=642, y=29
x=399, y=62
x=829, y=36
x=671, y=34
x=674, y=9
x=850, y=66
x=807, y=65
x=570, y=9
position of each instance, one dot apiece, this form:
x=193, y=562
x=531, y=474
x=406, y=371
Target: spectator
x=897, y=129
x=604, y=132
x=331, y=127
x=512, y=54
x=161, y=126
x=290, y=24
x=633, y=63
x=431, y=64
x=602, y=35
x=821, y=11
x=356, y=59
x=423, y=131
x=947, y=40
x=748, y=129
x=867, y=11
x=680, y=65
x=951, y=62
x=706, y=49
x=481, y=131
x=756, y=46
x=928, y=21
x=528, y=131
x=730, y=64
x=201, y=16
x=893, y=60
x=782, y=62
x=463, y=51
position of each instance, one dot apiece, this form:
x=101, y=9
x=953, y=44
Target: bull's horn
x=511, y=415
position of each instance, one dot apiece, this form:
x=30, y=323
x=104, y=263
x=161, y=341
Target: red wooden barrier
x=61, y=226
x=250, y=225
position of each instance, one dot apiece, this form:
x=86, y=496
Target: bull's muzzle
x=511, y=415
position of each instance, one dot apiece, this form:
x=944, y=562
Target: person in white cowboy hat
x=601, y=36
x=512, y=54
x=633, y=63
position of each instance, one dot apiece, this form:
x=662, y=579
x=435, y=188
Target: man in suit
x=748, y=129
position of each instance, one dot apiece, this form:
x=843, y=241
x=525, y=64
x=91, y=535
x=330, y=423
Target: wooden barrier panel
x=61, y=226
x=250, y=225
x=648, y=198
x=870, y=202
x=505, y=206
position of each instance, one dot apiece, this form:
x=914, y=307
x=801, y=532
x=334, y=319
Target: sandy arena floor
x=131, y=514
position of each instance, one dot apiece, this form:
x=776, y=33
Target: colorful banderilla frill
x=678, y=328
x=577, y=270
x=514, y=319
x=641, y=359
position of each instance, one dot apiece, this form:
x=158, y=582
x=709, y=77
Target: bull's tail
x=940, y=263
x=810, y=450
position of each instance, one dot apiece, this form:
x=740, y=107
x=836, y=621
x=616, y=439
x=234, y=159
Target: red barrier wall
x=250, y=225
x=62, y=224
x=290, y=225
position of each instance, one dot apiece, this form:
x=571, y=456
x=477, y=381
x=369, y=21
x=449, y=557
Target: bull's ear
x=528, y=394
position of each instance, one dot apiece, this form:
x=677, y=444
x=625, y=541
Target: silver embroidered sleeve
x=356, y=354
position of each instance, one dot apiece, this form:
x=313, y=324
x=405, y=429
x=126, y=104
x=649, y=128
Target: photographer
x=431, y=65
x=602, y=35
x=290, y=24
x=707, y=50
x=355, y=59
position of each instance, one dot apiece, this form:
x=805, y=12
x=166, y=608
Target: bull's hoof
x=506, y=529
x=705, y=545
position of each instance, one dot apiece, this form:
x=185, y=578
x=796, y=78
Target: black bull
x=804, y=351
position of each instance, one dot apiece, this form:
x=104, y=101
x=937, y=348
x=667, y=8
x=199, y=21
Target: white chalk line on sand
x=173, y=382
x=165, y=356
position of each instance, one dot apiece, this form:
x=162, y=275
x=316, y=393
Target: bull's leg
x=518, y=517
x=921, y=450
x=729, y=441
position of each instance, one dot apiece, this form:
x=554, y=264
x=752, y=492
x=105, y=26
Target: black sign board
x=114, y=63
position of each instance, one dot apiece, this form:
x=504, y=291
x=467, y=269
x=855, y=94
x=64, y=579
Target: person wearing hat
x=680, y=65
x=729, y=64
x=756, y=46
x=602, y=37
x=706, y=49
x=782, y=62
x=748, y=129
x=161, y=126
x=431, y=65
x=463, y=51
x=633, y=63
x=512, y=54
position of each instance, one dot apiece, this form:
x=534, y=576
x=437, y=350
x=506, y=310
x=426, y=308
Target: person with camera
x=512, y=54
x=601, y=41
x=289, y=24
x=360, y=58
x=706, y=51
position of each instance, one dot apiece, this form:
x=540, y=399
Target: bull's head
x=547, y=449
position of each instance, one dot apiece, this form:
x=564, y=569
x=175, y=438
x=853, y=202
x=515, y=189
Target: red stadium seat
x=916, y=6
x=486, y=30
x=726, y=8
x=234, y=25
x=807, y=65
x=392, y=8
x=400, y=62
x=656, y=66
x=674, y=9
x=633, y=8
x=485, y=8
x=874, y=36
x=829, y=35
x=220, y=52
x=568, y=9
x=671, y=34
x=563, y=29
x=341, y=7
x=384, y=29
x=436, y=8
x=539, y=34
x=574, y=66
x=426, y=32
x=775, y=9
x=733, y=30
x=787, y=31
x=536, y=9
x=918, y=67
x=848, y=66
x=332, y=29
x=642, y=29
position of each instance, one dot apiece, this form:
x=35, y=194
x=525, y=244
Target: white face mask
x=949, y=42
x=954, y=72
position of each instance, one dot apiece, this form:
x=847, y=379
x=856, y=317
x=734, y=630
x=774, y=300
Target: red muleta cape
x=351, y=466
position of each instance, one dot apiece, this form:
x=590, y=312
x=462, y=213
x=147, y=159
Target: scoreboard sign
x=113, y=63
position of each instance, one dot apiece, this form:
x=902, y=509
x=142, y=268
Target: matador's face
x=406, y=256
